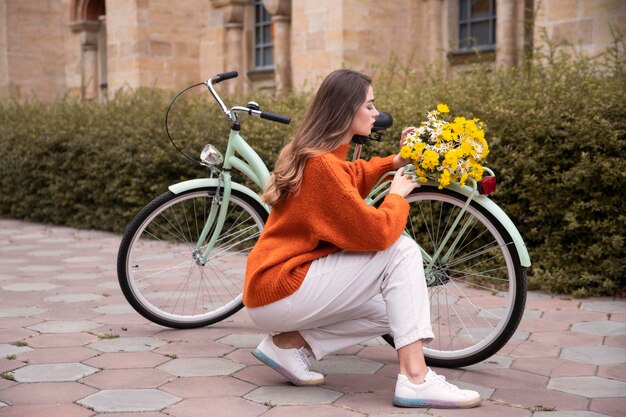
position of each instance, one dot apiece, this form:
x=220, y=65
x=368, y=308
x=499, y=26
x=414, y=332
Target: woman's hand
x=402, y=184
x=404, y=134
x=398, y=161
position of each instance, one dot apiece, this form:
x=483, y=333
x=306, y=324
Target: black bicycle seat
x=383, y=121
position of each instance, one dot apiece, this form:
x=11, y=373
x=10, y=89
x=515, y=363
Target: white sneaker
x=435, y=392
x=293, y=364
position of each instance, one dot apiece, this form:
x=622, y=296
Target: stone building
x=95, y=47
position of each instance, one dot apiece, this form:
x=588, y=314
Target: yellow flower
x=451, y=159
x=460, y=120
x=430, y=159
x=446, y=135
x=476, y=170
x=405, y=152
x=442, y=108
x=447, y=151
x=444, y=179
x=463, y=179
x=466, y=147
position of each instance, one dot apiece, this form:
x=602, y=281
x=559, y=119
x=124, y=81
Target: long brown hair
x=323, y=129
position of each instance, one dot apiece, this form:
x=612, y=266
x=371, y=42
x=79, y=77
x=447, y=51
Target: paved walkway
x=70, y=346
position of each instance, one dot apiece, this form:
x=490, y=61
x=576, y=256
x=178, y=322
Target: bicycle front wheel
x=476, y=284
x=159, y=268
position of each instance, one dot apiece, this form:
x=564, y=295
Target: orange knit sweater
x=328, y=215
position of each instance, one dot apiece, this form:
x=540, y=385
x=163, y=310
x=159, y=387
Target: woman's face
x=364, y=118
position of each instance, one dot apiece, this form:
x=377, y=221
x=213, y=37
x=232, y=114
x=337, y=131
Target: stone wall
x=360, y=34
x=153, y=43
x=51, y=47
x=4, y=49
x=585, y=24
x=32, y=57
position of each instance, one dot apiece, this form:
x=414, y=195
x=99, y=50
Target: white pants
x=350, y=297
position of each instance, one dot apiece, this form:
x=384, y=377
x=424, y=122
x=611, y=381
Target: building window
x=263, y=38
x=477, y=25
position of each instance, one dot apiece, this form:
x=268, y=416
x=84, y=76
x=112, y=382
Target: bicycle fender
x=503, y=218
x=213, y=182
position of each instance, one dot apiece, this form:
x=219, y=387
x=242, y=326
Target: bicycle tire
x=478, y=295
x=158, y=271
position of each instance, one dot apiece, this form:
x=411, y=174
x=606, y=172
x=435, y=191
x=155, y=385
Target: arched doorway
x=88, y=19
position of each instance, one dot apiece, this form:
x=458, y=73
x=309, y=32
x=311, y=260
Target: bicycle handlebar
x=232, y=113
x=275, y=117
x=224, y=76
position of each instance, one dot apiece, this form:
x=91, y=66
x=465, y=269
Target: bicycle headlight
x=211, y=157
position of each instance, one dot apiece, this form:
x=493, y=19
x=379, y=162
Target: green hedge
x=556, y=128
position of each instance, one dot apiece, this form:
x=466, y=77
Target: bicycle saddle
x=383, y=121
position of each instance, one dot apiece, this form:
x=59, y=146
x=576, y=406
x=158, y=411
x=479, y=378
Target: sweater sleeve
x=345, y=220
x=366, y=173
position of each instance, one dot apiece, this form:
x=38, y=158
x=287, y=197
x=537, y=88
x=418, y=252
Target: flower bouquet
x=447, y=151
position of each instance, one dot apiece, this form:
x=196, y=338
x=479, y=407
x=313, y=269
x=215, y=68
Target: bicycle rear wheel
x=158, y=268
x=477, y=286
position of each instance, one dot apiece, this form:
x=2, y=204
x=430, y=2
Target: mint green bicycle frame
x=240, y=155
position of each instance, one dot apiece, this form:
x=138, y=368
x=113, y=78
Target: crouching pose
x=329, y=271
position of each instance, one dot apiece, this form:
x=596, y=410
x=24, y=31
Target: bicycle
x=181, y=261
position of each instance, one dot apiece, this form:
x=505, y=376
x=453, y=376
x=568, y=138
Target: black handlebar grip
x=224, y=76
x=275, y=117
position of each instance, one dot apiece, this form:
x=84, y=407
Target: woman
x=329, y=271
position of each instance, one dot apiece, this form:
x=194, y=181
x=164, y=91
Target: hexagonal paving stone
x=53, y=253
x=483, y=332
x=20, y=312
x=200, y=367
x=78, y=276
x=126, y=360
x=127, y=344
x=589, y=386
x=494, y=362
x=243, y=340
x=64, y=326
x=57, y=355
x=225, y=406
x=595, y=355
x=605, y=306
x=288, y=395
x=601, y=328
x=53, y=372
x=40, y=268
x=532, y=314
x=127, y=378
x=73, y=298
x=46, y=393
x=345, y=365
x=129, y=400
x=6, y=349
x=29, y=286
x=83, y=259
x=501, y=312
x=207, y=387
